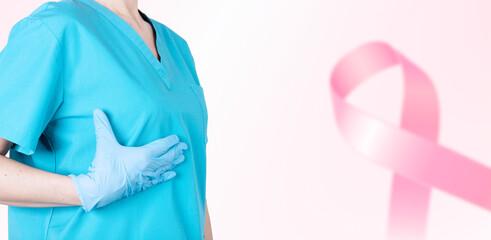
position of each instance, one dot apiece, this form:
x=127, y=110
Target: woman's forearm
x=25, y=186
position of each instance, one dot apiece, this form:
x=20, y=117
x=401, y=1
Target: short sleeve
x=31, y=83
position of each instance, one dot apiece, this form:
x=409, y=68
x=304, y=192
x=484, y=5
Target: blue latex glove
x=118, y=171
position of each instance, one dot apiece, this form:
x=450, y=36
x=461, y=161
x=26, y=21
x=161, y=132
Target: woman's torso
x=106, y=66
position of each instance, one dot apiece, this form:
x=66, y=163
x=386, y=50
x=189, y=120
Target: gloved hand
x=118, y=171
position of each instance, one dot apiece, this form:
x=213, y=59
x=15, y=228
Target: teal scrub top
x=60, y=63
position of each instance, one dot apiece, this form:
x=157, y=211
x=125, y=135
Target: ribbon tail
x=409, y=206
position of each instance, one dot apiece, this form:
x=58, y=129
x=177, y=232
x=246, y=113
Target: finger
x=162, y=145
x=171, y=165
x=155, y=174
x=173, y=153
x=103, y=129
x=167, y=176
x=178, y=160
x=164, y=177
x=147, y=184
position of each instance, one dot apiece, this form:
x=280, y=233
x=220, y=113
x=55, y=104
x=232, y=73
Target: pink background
x=277, y=166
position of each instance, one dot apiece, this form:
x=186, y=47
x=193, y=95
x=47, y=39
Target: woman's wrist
x=70, y=195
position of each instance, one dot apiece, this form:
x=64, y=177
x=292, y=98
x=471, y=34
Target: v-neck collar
x=132, y=35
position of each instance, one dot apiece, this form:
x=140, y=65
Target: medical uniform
x=60, y=63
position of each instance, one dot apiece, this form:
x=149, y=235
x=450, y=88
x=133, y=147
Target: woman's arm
x=25, y=186
x=208, y=233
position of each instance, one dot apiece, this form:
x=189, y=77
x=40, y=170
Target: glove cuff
x=82, y=184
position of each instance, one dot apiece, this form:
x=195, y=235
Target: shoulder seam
x=60, y=46
x=47, y=5
x=44, y=23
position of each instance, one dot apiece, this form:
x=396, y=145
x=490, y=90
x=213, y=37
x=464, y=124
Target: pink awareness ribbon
x=410, y=150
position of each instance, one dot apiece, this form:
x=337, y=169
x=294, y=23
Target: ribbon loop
x=410, y=150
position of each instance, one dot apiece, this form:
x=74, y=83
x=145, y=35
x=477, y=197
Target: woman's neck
x=126, y=9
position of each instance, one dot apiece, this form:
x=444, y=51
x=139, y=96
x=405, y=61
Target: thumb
x=103, y=129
